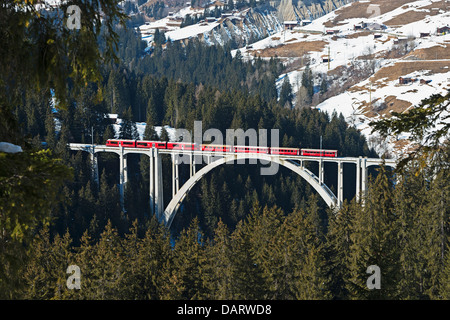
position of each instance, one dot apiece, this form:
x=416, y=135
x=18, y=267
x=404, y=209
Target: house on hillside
x=305, y=22
x=331, y=31
x=424, y=34
x=400, y=39
x=443, y=30
x=375, y=26
x=360, y=26
x=289, y=25
x=372, y=26
x=402, y=80
x=217, y=4
x=111, y=118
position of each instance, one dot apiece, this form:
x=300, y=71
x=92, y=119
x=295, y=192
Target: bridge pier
x=175, y=175
x=152, y=180
x=358, y=179
x=123, y=175
x=158, y=178
x=94, y=164
x=361, y=178
x=340, y=188
x=364, y=177
x=321, y=171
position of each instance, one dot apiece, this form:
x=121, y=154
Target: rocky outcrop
x=257, y=23
x=245, y=28
x=307, y=9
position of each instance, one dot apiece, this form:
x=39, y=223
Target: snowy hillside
x=363, y=49
x=240, y=26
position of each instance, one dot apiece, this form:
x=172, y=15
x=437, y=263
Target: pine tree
x=323, y=85
x=164, y=136
x=310, y=280
x=155, y=262
x=219, y=267
x=338, y=246
x=84, y=258
x=38, y=275
x=436, y=221
x=421, y=122
x=131, y=285
x=249, y=281
x=128, y=128
x=109, y=133
x=444, y=288
x=185, y=281
x=107, y=265
x=286, y=93
x=50, y=129
x=45, y=276
x=375, y=242
x=61, y=259
x=307, y=81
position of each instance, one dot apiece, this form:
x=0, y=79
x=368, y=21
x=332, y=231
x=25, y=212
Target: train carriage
x=251, y=149
x=216, y=148
x=285, y=151
x=182, y=146
x=318, y=153
x=144, y=144
x=121, y=143
x=150, y=144
x=220, y=148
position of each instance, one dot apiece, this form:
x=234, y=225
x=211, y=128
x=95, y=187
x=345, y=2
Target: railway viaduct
x=215, y=159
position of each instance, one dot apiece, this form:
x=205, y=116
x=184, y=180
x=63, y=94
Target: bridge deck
x=125, y=150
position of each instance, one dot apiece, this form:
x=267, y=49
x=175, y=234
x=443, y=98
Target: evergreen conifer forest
x=239, y=235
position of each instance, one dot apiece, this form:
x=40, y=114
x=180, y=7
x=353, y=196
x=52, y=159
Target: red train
x=220, y=148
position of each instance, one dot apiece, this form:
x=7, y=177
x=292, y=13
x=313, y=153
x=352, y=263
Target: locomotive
x=220, y=148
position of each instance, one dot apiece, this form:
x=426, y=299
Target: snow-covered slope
x=370, y=45
x=239, y=26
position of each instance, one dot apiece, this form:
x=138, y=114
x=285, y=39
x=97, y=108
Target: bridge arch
x=174, y=204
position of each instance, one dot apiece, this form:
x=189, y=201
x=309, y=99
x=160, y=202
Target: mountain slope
x=370, y=46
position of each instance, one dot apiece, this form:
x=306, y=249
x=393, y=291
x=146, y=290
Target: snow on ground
x=350, y=103
x=10, y=148
x=348, y=45
x=140, y=126
x=190, y=31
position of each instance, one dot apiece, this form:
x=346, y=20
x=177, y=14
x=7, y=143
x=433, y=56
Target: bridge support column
x=159, y=201
x=321, y=171
x=192, y=165
x=123, y=175
x=175, y=175
x=94, y=164
x=364, y=177
x=152, y=180
x=340, y=188
x=358, y=179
